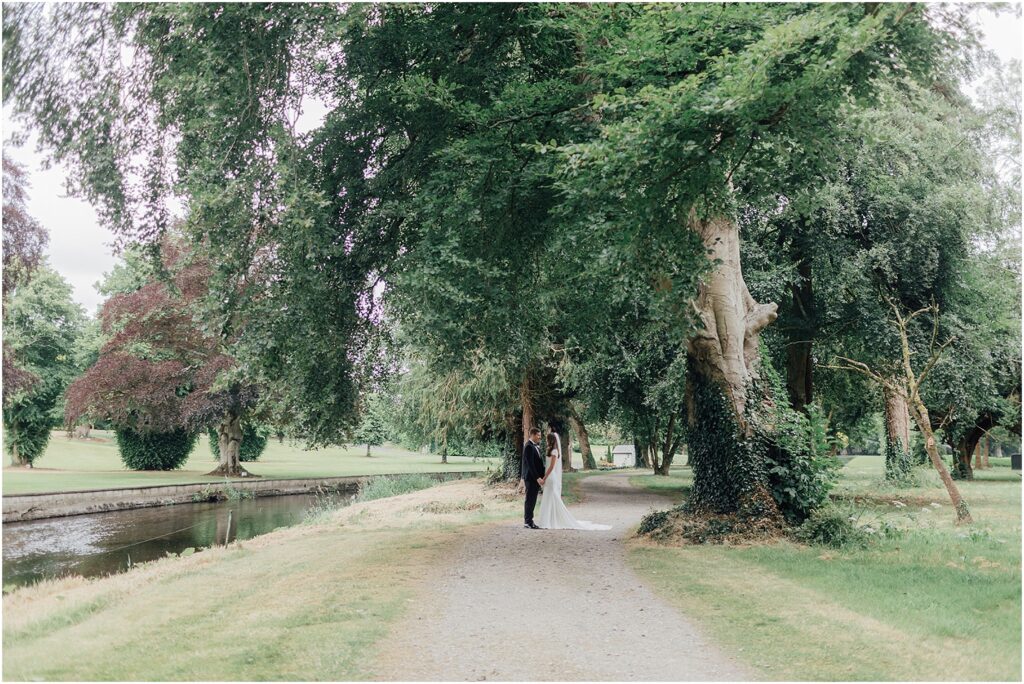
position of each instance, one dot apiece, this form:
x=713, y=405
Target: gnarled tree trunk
x=229, y=441
x=898, y=462
x=727, y=454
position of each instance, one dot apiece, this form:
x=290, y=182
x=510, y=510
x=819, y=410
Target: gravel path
x=518, y=604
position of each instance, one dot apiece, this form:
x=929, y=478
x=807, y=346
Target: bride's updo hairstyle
x=552, y=442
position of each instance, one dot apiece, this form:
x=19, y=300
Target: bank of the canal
x=106, y=543
x=107, y=531
x=23, y=507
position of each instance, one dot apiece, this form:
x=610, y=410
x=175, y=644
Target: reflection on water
x=105, y=543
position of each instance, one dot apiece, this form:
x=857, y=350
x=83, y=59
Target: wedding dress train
x=553, y=513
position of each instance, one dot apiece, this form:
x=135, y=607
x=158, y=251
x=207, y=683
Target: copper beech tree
x=160, y=370
x=905, y=387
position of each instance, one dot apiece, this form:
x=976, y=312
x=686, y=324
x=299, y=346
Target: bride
x=553, y=513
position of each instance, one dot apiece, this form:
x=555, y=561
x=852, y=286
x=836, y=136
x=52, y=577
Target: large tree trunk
x=568, y=450
x=229, y=441
x=799, y=367
x=727, y=453
x=581, y=431
x=920, y=415
x=640, y=452
x=898, y=463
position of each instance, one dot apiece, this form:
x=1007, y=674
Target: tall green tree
x=42, y=325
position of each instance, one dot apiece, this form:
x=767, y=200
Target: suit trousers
x=532, y=489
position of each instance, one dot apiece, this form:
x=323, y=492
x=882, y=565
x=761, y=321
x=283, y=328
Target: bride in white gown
x=553, y=513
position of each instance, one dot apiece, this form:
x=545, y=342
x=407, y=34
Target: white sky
x=80, y=248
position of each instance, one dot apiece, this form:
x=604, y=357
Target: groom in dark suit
x=533, y=472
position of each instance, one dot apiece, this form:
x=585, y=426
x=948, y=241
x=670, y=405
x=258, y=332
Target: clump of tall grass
x=324, y=504
x=383, y=486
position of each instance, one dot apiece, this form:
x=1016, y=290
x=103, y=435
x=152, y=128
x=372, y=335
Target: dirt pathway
x=518, y=604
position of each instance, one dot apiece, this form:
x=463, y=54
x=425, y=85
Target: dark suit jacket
x=533, y=465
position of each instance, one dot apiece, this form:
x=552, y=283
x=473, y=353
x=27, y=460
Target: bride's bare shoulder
x=554, y=452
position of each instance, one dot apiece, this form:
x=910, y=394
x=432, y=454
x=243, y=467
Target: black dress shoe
x=530, y=526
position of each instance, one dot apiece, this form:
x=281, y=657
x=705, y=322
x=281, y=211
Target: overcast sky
x=80, y=247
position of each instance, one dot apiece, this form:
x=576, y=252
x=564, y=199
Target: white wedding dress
x=553, y=513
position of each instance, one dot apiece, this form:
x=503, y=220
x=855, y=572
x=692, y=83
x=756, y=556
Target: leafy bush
x=254, y=441
x=653, y=521
x=801, y=467
x=832, y=526
x=384, y=486
x=155, y=451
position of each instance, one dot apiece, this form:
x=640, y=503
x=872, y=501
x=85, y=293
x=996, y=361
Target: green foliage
x=373, y=426
x=384, y=486
x=254, y=441
x=27, y=433
x=801, y=466
x=42, y=325
x=653, y=521
x=833, y=526
x=156, y=450
x=730, y=473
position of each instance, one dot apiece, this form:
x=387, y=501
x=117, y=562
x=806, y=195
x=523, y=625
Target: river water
x=105, y=543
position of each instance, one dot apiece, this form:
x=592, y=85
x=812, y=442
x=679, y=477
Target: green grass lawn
x=936, y=601
x=70, y=465
x=307, y=603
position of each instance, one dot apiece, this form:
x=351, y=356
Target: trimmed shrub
x=254, y=441
x=155, y=451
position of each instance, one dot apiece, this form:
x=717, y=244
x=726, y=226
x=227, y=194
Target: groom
x=532, y=473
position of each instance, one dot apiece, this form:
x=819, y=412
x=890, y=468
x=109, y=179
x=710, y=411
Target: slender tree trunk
x=727, y=454
x=988, y=449
x=568, y=450
x=444, y=449
x=367, y=450
x=581, y=431
x=667, y=449
x=999, y=450
x=799, y=366
x=229, y=441
x=897, y=436
x=652, y=450
x=920, y=414
x=977, y=454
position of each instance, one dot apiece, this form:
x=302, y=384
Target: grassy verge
x=935, y=601
x=306, y=603
x=70, y=465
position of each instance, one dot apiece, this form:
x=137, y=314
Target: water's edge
x=37, y=506
x=93, y=544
